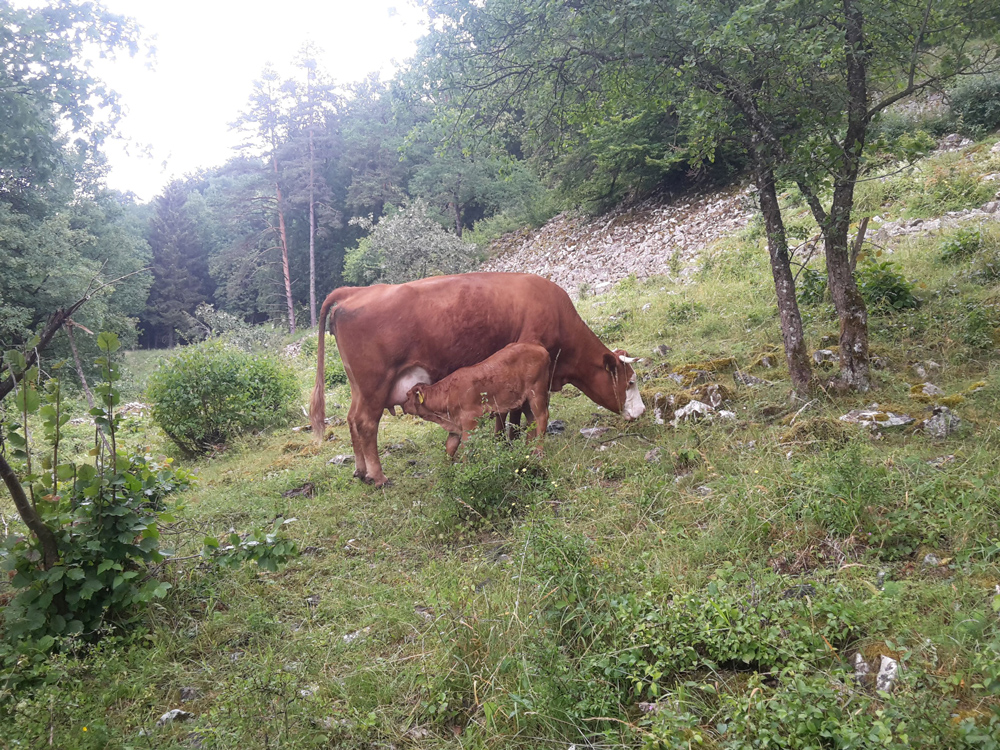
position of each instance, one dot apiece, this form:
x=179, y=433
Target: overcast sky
x=208, y=53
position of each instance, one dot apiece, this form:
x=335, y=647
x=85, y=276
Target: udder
x=404, y=382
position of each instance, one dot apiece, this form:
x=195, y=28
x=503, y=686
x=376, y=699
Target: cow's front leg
x=451, y=444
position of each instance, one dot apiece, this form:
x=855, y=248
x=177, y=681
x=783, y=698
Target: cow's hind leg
x=365, y=427
x=360, y=466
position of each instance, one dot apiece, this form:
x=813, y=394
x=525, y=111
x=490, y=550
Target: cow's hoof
x=359, y=474
x=367, y=480
x=385, y=483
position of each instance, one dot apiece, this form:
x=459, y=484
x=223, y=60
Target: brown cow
x=516, y=375
x=392, y=337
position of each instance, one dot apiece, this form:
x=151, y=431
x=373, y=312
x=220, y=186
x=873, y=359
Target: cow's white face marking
x=405, y=382
x=634, y=407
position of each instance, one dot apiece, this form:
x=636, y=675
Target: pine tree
x=180, y=268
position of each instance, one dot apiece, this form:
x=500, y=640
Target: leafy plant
x=977, y=102
x=980, y=328
x=884, y=288
x=104, y=515
x=211, y=392
x=494, y=479
x=811, y=286
x=961, y=245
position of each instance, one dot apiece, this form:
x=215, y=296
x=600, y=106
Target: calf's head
x=414, y=403
x=618, y=365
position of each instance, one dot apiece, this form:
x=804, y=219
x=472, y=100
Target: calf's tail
x=317, y=407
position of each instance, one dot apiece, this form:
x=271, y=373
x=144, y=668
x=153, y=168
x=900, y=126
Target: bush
x=976, y=102
x=104, y=517
x=961, y=245
x=210, y=393
x=811, y=286
x=494, y=479
x=334, y=374
x=884, y=288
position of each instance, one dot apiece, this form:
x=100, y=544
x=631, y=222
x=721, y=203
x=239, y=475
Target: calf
x=516, y=375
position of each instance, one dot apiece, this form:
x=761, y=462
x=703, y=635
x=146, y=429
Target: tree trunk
x=312, y=202
x=312, y=231
x=284, y=248
x=851, y=309
x=50, y=548
x=796, y=355
x=79, y=366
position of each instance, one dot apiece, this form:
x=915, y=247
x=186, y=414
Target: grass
x=730, y=581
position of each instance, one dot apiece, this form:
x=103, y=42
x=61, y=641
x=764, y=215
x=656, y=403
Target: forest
x=796, y=547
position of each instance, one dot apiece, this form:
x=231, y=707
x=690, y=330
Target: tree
x=180, y=267
x=405, y=246
x=267, y=120
x=313, y=140
x=798, y=83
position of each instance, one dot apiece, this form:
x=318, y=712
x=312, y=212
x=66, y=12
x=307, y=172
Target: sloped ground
x=652, y=238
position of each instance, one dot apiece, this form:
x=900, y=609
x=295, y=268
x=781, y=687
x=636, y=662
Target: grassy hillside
x=709, y=585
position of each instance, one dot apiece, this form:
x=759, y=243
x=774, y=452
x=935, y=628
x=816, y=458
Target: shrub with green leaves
x=961, y=245
x=334, y=374
x=104, y=517
x=884, y=288
x=210, y=393
x=976, y=101
x=494, y=479
x=811, y=286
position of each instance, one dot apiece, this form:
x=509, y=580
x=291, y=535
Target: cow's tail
x=317, y=407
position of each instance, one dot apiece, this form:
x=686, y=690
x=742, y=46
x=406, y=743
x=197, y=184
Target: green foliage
x=961, y=245
x=211, y=392
x=105, y=517
x=684, y=311
x=335, y=374
x=884, y=288
x=980, y=328
x=407, y=245
x=811, y=286
x=494, y=479
x=209, y=323
x=976, y=103
x=269, y=549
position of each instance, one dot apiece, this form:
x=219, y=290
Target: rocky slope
x=649, y=238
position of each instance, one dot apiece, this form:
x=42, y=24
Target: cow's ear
x=610, y=363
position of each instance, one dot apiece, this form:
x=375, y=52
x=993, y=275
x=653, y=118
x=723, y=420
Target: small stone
x=341, y=459
x=875, y=418
x=645, y=308
x=351, y=637
x=931, y=560
x=929, y=389
x=189, y=694
x=944, y=423
x=653, y=455
x=996, y=148
x=880, y=580
x=767, y=362
x=556, y=427
x=941, y=461
x=662, y=350
x=747, y=380
x=887, y=674
x=799, y=592
x=694, y=410
x=676, y=377
x=292, y=666
x=823, y=355
x=313, y=600
x=725, y=414
x=175, y=714
x=861, y=669
x=594, y=432
x=704, y=490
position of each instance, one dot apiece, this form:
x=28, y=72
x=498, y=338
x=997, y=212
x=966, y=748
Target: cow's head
x=623, y=380
x=414, y=403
